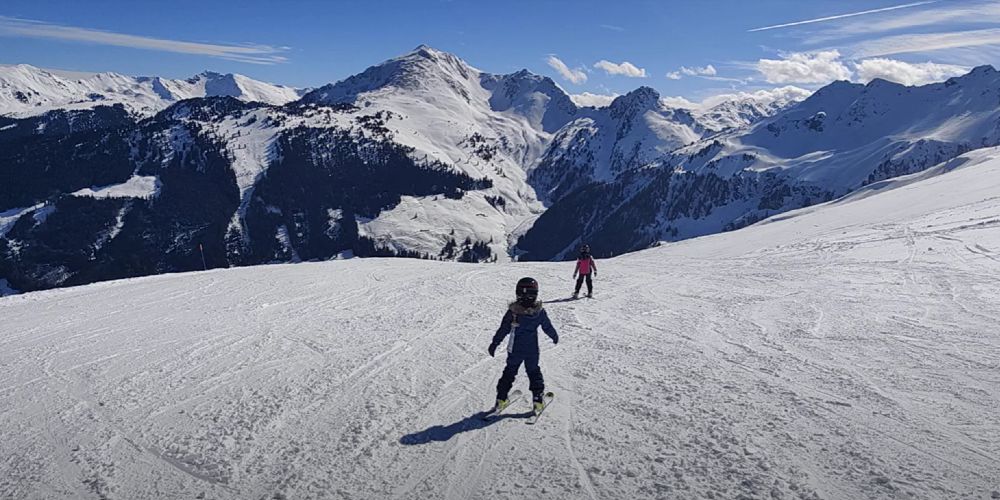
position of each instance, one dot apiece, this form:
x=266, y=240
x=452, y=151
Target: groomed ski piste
x=849, y=350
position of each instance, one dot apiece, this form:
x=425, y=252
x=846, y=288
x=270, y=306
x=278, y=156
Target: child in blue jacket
x=522, y=321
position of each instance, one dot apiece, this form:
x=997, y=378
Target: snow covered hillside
x=28, y=91
x=639, y=128
x=483, y=125
x=844, y=351
x=841, y=138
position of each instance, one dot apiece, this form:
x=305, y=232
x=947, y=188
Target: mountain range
x=26, y=90
x=108, y=176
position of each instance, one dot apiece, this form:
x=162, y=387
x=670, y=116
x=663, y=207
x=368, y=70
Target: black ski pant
x=579, y=283
x=535, y=382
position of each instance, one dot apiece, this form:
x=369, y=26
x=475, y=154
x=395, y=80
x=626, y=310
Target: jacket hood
x=517, y=308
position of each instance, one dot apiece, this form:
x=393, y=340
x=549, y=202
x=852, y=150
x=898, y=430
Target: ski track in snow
x=848, y=352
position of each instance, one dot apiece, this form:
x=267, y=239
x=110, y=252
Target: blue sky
x=685, y=48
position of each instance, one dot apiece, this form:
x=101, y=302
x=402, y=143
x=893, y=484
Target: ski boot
x=501, y=404
x=576, y=295
x=538, y=403
x=590, y=295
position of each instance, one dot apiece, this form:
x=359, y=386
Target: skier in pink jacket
x=585, y=266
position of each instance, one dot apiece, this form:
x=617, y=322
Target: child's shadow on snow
x=446, y=432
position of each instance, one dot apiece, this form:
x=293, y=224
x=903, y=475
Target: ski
x=511, y=398
x=549, y=396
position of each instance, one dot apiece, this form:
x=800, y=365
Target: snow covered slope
x=26, y=90
x=849, y=351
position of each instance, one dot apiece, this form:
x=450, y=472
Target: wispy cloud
x=625, y=69
x=967, y=14
x=576, y=76
x=612, y=27
x=248, y=53
x=923, y=43
x=739, y=81
x=842, y=16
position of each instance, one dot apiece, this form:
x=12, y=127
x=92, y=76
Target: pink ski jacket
x=585, y=265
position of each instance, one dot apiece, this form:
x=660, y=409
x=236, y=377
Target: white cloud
x=805, y=67
x=708, y=70
x=906, y=73
x=573, y=75
x=842, y=16
x=594, y=100
x=926, y=42
x=678, y=102
x=786, y=94
x=824, y=67
x=781, y=95
x=612, y=27
x=625, y=68
x=248, y=53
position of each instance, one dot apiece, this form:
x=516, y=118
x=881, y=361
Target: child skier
x=521, y=321
x=585, y=265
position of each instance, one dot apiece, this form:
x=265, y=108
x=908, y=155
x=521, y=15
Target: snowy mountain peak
x=445, y=61
x=985, y=69
x=428, y=52
x=423, y=69
x=642, y=97
x=634, y=104
x=536, y=97
x=881, y=83
x=26, y=90
x=985, y=75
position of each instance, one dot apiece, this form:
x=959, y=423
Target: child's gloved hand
x=555, y=340
x=492, y=350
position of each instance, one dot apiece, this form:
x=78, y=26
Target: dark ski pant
x=535, y=382
x=579, y=283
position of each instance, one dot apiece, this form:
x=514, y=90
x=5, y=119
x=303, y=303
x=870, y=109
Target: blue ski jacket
x=522, y=323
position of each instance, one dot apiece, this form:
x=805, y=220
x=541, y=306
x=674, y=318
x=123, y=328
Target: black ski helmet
x=527, y=290
x=585, y=249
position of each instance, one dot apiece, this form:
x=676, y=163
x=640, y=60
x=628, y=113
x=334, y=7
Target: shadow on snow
x=567, y=299
x=446, y=432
